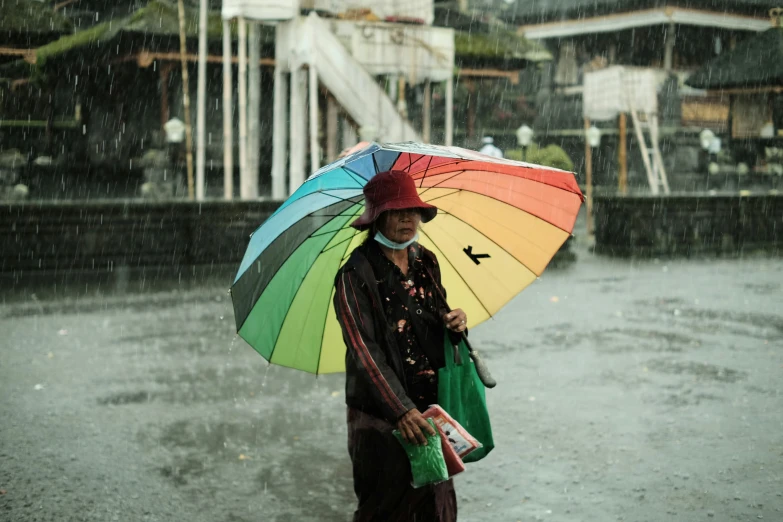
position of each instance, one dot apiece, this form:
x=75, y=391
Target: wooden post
x=228, y=122
x=165, y=72
x=243, y=170
x=51, y=90
x=470, y=128
x=349, y=134
x=183, y=51
x=315, y=148
x=296, y=164
x=392, y=84
x=657, y=157
x=448, y=139
x=201, y=101
x=331, y=129
x=253, y=108
x=588, y=180
x=280, y=135
x=622, y=155
x=669, y=48
x=426, y=112
x=402, y=104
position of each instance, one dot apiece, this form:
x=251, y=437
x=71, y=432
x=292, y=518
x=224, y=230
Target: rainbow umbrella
x=498, y=226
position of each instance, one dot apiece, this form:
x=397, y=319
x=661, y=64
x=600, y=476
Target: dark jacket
x=374, y=382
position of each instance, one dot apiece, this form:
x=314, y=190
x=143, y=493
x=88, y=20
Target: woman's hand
x=456, y=320
x=412, y=427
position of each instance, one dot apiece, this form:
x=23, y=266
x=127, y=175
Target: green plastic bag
x=461, y=394
x=427, y=463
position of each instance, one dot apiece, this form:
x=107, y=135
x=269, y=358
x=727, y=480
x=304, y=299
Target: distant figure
x=489, y=148
x=175, y=137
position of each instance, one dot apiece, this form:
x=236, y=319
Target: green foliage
x=499, y=44
x=31, y=16
x=157, y=17
x=66, y=43
x=549, y=156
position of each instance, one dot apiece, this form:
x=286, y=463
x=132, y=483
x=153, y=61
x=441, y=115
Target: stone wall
x=685, y=225
x=72, y=242
x=105, y=235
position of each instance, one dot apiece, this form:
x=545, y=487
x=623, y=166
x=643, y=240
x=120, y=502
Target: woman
x=387, y=299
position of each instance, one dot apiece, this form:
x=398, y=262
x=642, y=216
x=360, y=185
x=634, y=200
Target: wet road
x=634, y=391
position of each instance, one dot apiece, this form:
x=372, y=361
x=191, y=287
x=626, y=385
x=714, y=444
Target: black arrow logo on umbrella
x=474, y=257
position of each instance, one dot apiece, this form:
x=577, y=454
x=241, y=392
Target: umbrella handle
x=481, y=367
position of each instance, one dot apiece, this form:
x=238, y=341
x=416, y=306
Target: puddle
x=639, y=340
x=690, y=399
x=118, y=399
x=185, y=469
x=764, y=289
x=698, y=370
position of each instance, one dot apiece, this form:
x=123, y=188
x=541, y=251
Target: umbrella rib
x=440, y=182
x=460, y=275
x=456, y=161
x=531, y=180
x=335, y=230
x=303, y=198
x=411, y=162
x=309, y=269
x=354, y=176
x=429, y=163
x=375, y=164
x=274, y=346
x=501, y=201
x=358, y=179
x=340, y=242
x=277, y=271
x=341, y=214
x=523, y=210
x=436, y=198
x=326, y=318
x=338, y=198
x=495, y=242
x=323, y=250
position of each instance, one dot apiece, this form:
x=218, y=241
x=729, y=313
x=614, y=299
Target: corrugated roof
x=487, y=38
x=755, y=62
x=532, y=11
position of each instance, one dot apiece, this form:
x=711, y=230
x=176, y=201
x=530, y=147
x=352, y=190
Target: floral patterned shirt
x=421, y=374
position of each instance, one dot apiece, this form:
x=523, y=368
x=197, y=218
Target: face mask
x=388, y=243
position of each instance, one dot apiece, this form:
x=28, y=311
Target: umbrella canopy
x=498, y=226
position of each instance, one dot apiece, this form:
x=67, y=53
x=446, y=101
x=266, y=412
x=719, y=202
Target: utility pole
x=622, y=155
x=228, y=122
x=588, y=180
x=243, y=167
x=186, y=97
x=253, y=108
x=201, y=101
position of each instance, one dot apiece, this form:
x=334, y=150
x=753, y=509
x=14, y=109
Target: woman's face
x=399, y=225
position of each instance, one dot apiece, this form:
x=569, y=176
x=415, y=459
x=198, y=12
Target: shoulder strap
x=441, y=293
x=481, y=367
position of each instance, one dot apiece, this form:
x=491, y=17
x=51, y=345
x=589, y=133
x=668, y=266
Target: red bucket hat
x=392, y=190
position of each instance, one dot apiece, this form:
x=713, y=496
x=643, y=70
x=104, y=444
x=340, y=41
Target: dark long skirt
x=382, y=478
